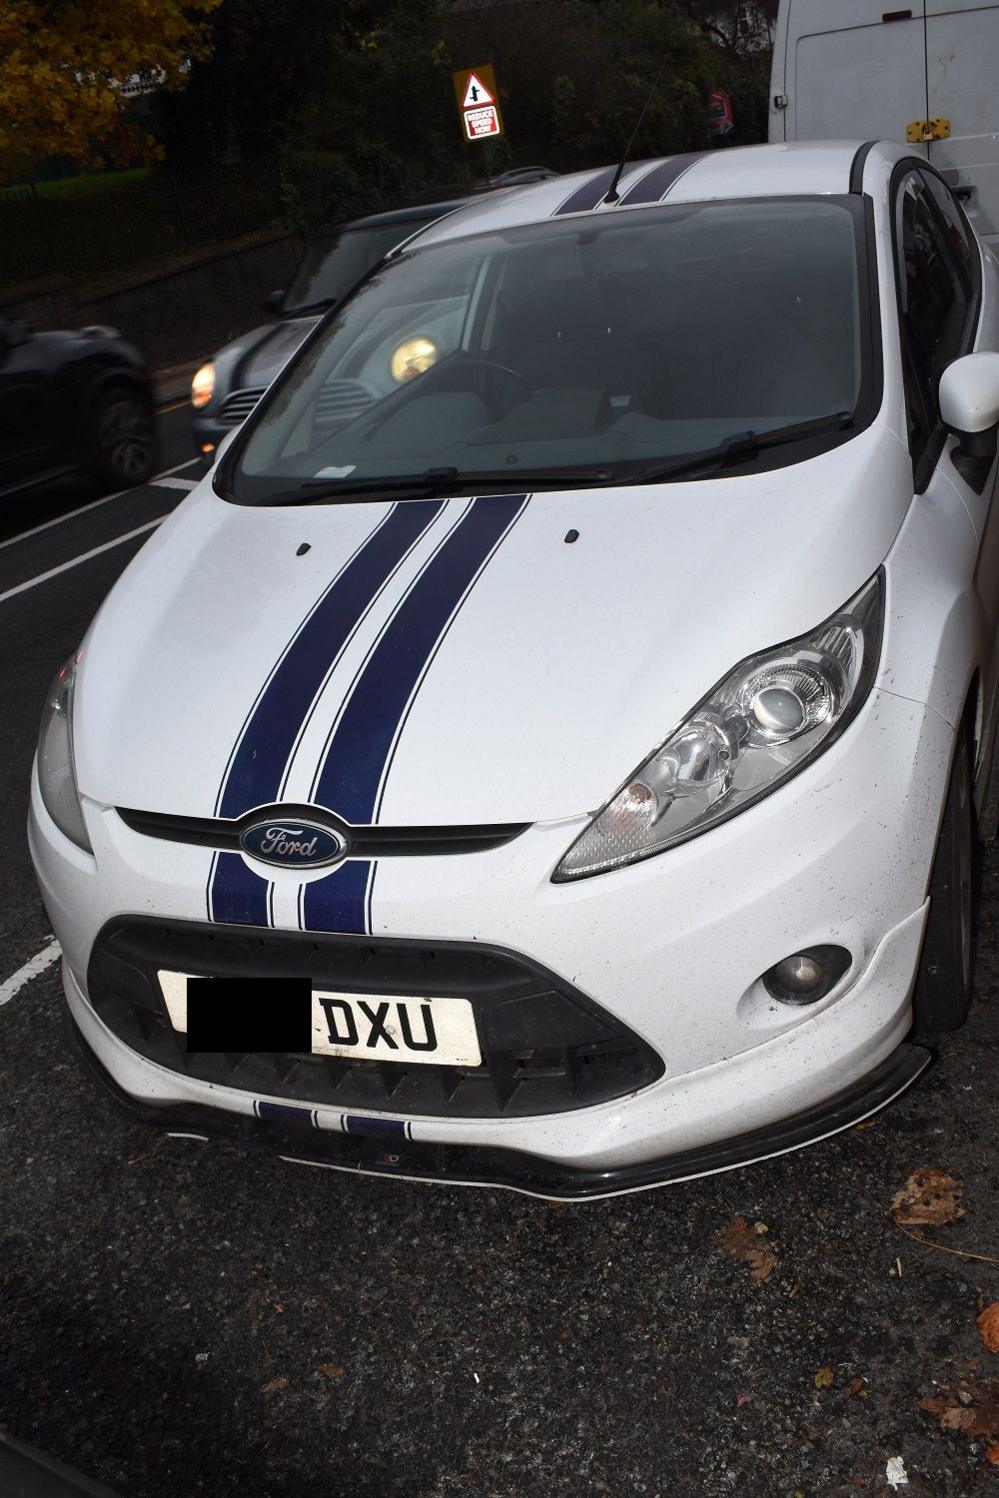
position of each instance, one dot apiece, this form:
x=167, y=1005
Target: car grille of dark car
x=237, y=406
x=546, y=1047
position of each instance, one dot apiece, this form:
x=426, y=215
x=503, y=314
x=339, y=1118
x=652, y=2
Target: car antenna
x=612, y=193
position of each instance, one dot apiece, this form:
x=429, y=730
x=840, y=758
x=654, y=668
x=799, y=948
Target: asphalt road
x=180, y=1319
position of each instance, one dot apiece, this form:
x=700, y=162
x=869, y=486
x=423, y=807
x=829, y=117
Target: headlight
x=203, y=386
x=56, y=775
x=412, y=358
x=763, y=723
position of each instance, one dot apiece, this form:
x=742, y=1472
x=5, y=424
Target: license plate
x=383, y=1028
x=376, y=1027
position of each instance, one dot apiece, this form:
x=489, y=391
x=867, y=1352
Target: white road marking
x=171, y=483
x=35, y=965
x=85, y=556
x=94, y=504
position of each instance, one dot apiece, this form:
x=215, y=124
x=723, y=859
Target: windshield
x=333, y=265
x=600, y=345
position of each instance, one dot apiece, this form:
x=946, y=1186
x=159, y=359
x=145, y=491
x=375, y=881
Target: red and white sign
x=477, y=97
x=480, y=122
x=476, y=93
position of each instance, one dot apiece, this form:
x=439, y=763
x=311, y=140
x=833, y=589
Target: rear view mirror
x=274, y=302
x=969, y=393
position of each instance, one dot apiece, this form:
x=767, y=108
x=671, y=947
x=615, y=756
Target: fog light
x=805, y=977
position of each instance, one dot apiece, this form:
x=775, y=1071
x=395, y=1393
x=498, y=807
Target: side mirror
x=274, y=302
x=969, y=407
x=969, y=393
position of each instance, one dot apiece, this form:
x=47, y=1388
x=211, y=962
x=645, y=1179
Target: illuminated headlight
x=203, y=386
x=56, y=773
x=412, y=358
x=764, y=722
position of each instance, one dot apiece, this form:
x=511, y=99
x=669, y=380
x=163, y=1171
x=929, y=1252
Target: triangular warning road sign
x=476, y=93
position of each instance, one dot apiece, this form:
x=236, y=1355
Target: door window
x=936, y=303
x=936, y=290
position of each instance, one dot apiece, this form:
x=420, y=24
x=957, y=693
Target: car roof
x=800, y=167
x=404, y=215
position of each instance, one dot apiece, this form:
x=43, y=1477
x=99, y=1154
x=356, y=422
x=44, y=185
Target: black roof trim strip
x=858, y=164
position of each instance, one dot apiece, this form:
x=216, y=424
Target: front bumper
x=365, y=1149
x=674, y=947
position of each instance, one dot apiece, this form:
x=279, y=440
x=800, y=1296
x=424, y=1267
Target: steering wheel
x=456, y=369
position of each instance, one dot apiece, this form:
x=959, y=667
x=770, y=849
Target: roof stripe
x=589, y=194
x=654, y=186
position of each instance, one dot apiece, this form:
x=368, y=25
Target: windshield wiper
x=741, y=446
x=439, y=481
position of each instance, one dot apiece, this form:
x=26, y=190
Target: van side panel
x=963, y=73
x=848, y=73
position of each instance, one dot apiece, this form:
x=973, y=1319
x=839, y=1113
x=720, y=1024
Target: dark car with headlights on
x=227, y=387
x=73, y=403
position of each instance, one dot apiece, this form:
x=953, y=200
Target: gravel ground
x=180, y=1319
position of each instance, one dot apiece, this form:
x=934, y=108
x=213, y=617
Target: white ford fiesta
x=548, y=750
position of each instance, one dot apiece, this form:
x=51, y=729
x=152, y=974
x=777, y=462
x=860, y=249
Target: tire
x=946, y=968
x=123, y=438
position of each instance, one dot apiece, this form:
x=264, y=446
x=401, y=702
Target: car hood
x=255, y=358
x=463, y=661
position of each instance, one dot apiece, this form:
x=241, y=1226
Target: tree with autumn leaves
x=65, y=70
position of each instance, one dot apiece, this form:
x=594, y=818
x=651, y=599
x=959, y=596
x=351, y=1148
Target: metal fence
x=85, y=236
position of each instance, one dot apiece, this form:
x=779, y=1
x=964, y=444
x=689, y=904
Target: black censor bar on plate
x=249, y=1014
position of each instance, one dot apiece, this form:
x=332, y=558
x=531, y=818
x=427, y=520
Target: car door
x=28, y=439
x=940, y=285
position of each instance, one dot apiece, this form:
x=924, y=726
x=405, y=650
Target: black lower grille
x=546, y=1047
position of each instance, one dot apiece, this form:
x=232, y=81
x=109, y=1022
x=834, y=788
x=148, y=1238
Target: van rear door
x=849, y=74
x=962, y=73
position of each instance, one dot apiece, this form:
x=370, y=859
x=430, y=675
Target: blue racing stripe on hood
x=257, y=768
x=359, y=751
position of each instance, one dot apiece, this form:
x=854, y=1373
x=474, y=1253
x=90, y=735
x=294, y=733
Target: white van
x=926, y=73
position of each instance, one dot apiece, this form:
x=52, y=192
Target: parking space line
x=43, y=577
x=31, y=969
x=92, y=505
x=172, y=483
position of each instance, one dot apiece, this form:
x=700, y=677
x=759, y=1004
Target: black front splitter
x=473, y=1165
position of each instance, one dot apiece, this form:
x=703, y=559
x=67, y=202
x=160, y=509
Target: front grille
x=364, y=842
x=237, y=406
x=546, y=1047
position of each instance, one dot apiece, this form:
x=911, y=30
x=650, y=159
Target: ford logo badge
x=293, y=844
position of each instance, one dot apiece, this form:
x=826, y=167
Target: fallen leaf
x=929, y=1197
x=274, y=1385
x=824, y=1378
x=855, y=1386
x=971, y=1406
x=992, y=1455
x=750, y=1244
x=330, y=1370
x=742, y=1399
x=988, y=1325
